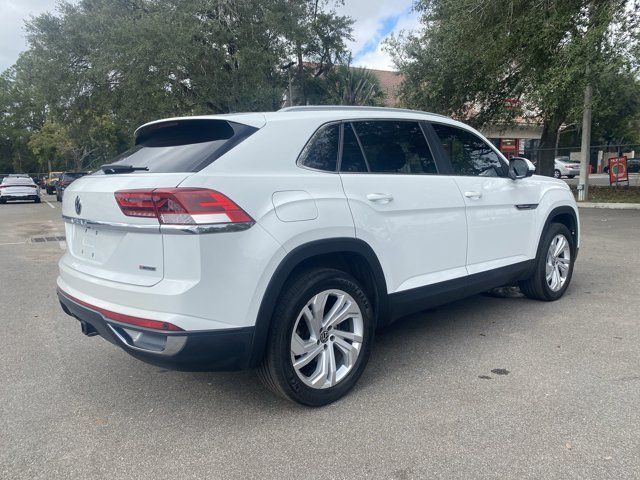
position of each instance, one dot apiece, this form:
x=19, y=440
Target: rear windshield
x=73, y=175
x=18, y=181
x=183, y=146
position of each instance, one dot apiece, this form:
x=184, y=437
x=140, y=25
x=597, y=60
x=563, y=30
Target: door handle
x=474, y=195
x=380, y=197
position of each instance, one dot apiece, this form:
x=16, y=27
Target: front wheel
x=554, y=265
x=37, y=200
x=320, y=338
x=557, y=174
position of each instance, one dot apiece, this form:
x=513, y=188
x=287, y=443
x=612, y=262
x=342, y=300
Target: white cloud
x=372, y=19
x=378, y=58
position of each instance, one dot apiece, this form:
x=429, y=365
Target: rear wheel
x=554, y=265
x=320, y=338
x=49, y=191
x=37, y=200
x=2, y=200
x=557, y=174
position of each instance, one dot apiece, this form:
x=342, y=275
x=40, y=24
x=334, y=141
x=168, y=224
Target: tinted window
x=17, y=181
x=352, y=158
x=469, y=155
x=321, y=152
x=184, y=146
x=395, y=147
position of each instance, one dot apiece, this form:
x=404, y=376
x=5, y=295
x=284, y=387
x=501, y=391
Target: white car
x=282, y=240
x=564, y=167
x=19, y=187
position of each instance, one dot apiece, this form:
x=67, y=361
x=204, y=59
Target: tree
x=101, y=68
x=493, y=61
x=348, y=85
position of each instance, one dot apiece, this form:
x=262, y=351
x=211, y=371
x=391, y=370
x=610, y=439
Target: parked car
x=50, y=183
x=19, y=188
x=282, y=240
x=65, y=180
x=633, y=166
x=564, y=167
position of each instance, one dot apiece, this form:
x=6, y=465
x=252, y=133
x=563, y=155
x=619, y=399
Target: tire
x=537, y=286
x=37, y=200
x=2, y=201
x=557, y=174
x=277, y=370
x=571, y=176
x=58, y=197
x=49, y=191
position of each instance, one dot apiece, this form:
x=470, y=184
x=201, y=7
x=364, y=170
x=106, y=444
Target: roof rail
x=319, y=108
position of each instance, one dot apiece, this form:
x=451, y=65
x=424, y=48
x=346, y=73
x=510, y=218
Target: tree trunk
x=547, y=148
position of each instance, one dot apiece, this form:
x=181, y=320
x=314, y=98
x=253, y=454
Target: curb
x=611, y=206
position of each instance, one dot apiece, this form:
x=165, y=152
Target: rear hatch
x=104, y=242
x=18, y=188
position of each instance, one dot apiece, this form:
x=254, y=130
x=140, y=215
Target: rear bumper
x=11, y=196
x=211, y=350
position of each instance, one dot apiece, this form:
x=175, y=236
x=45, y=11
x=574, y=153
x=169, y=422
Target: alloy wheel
x=327, y=339
x=558, y=262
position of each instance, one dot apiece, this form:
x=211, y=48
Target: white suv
x=283, y=240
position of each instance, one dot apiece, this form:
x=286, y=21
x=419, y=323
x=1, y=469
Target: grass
x=612, y=194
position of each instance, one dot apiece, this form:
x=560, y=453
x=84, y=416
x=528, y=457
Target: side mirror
x=520, y=168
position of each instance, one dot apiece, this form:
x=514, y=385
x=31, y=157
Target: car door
x=499, y=211
x=413, y=218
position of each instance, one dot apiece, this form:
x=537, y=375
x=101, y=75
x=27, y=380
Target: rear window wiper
x=119, y=168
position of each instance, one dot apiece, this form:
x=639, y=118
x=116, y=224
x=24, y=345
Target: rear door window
x=183, y=146
x=352, y=158
x=395, y=147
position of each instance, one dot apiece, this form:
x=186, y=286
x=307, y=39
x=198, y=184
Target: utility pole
x=583, y=183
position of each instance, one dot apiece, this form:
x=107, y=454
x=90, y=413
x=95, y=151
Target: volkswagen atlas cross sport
x=282, y=240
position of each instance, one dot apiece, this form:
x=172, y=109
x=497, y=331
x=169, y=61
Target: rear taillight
x=181, y=206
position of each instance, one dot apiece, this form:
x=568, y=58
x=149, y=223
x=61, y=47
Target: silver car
x=564, y=167
x=19, y=188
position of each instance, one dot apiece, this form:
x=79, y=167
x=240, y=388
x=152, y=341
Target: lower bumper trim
x=209, y=350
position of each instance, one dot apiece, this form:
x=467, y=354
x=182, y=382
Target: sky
x=375, y=20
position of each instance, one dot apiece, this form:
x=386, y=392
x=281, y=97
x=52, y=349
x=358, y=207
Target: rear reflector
x=181, y=206
x=128, y=319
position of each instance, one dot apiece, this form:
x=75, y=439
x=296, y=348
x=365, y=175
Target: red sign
x=618, y=170
x=508, y=145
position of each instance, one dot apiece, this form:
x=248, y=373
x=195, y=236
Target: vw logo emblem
x=78, y=206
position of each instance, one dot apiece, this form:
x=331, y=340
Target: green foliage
x=354, y=86
x=492, y=61
x=97, y=69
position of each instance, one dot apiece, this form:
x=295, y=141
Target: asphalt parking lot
x=482, y=388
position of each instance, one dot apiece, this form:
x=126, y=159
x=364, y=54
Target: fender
x=565, y=209
x=291, y=261
x=574, y=228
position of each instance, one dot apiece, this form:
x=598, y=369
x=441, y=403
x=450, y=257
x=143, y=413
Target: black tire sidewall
x=279, y=354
